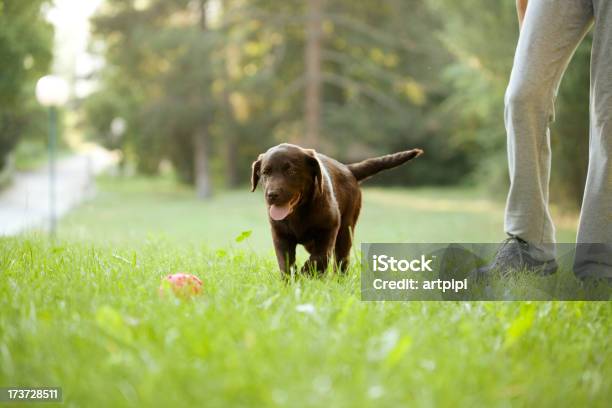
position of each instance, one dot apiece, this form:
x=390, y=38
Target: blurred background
x=178, y=97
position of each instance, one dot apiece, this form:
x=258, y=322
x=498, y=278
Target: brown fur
x=324, y=215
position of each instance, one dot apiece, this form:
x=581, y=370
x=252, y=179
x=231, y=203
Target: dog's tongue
x=278, y=213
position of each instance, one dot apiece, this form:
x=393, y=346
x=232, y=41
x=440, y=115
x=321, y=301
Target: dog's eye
x=266, y=172
x=287, y=167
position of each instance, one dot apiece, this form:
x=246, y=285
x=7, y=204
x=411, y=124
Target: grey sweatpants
x=551, y=31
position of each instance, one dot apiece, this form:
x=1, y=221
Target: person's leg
x=551, y=31
x=594, y=249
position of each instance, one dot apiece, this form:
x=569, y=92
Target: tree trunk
x=312, y=113
x=201, y=137
x=231, y=161
x=200, y=160
x=232, y=59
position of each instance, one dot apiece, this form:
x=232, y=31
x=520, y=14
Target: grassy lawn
x=85, y=314
x=32, y=155
x=129, y=212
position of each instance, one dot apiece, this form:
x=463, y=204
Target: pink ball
x=182, y=284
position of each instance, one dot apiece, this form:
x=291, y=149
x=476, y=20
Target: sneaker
x=513, y=254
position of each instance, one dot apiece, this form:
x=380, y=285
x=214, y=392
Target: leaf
x=243, y=235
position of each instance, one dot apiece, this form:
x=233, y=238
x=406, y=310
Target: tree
x=201, y=143
x=483, y=46
x=244, y=81
x=162, y=56
x=312, y=116
x=25, y=51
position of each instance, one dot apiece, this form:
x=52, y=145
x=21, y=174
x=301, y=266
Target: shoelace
x=513, y=239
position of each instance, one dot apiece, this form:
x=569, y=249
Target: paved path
x=25, y=204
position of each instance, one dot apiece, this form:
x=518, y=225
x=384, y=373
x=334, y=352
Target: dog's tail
x=369, y=167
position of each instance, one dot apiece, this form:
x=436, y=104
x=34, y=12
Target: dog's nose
x=272, y=195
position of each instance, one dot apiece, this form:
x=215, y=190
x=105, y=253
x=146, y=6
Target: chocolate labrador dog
x=314, y=200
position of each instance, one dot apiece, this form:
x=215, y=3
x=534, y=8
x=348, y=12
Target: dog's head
x=289, y=174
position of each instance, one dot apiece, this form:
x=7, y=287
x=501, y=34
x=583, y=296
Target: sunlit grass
x=84, y=313
x=127, y=211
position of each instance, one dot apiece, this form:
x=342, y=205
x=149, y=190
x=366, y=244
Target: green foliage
x=395, y=74
x=25, y=51
x=482, y=36
x=242, y=78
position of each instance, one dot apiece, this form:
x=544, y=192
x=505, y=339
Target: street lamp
x=52, y=92
x=117, y=127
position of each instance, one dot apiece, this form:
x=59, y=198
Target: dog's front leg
x=285, y=252
x=321, y=251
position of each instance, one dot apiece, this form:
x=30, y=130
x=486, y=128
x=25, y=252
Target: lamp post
x=52, y=92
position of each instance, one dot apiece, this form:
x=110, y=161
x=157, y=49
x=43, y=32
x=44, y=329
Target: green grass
x=32, y=155
x=85, y=314
x=129, y=211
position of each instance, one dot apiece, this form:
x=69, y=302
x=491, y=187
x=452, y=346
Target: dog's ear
x=316, y=168
x=255, y=172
